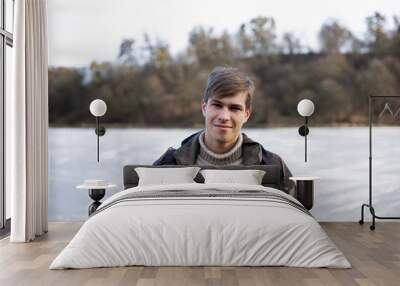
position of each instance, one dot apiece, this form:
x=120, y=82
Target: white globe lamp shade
x=98, y=107
x=305, y=107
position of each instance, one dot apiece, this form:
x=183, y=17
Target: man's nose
x=224, y=115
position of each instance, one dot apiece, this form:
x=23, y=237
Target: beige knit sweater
x=206, y=157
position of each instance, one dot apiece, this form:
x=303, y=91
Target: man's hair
x=228, y=81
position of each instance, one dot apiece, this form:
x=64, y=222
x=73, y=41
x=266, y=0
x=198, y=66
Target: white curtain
x=27, y=122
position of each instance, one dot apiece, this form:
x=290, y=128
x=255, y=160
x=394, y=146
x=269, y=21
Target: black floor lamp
x=370, y=205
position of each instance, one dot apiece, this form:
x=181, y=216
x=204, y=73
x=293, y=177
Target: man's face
x=224, y=117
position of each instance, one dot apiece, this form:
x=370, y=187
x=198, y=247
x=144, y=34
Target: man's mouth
x=222, y=126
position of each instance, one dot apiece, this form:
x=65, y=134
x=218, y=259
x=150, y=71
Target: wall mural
x=153, y=93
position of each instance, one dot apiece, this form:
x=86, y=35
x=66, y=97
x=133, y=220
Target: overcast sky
x=81, y=31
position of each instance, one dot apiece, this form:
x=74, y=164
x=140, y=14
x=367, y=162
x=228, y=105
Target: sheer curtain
x=27, y=123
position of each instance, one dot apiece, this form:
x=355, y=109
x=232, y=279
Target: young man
x=226, y=107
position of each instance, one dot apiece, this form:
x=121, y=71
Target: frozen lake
x=339, y=156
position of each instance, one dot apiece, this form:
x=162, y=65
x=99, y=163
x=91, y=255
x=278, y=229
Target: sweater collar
x=229, y=157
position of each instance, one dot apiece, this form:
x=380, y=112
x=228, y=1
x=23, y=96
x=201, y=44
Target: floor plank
x=374, y=255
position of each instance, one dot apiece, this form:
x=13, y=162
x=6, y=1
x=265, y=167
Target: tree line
x=149, y=86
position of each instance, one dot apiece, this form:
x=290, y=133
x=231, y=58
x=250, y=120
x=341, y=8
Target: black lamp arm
x=305, y=139
x=303, y=131
x=100, y=131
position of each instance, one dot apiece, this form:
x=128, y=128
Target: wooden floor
x=374, y=255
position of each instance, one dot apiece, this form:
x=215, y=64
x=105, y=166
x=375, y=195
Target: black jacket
x=253, y=154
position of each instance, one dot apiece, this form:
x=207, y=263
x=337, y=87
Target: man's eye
x=236, y=108
x=216, y=105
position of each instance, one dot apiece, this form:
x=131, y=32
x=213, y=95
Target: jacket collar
x=187, y=153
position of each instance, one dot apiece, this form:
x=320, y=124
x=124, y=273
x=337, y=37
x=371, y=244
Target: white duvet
x=200, y=231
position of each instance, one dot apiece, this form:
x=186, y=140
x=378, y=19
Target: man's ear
x=247, y=112
x=203, y=107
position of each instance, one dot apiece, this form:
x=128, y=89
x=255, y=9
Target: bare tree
x=126, y=52
x=334, y=38
x=377, y=38
x=291, y=44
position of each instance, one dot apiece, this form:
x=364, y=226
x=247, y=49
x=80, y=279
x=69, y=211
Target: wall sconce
x=98, y=108
x=305, y=108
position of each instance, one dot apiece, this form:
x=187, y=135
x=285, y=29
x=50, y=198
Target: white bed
x=184, y=230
